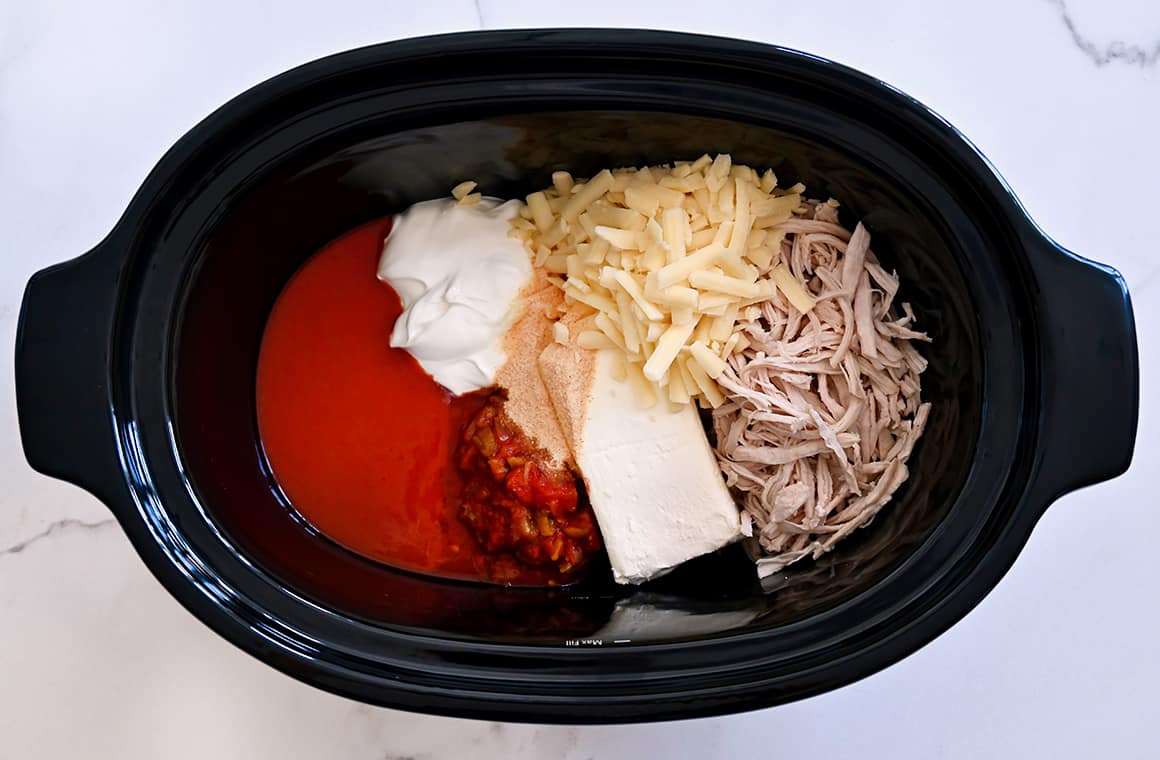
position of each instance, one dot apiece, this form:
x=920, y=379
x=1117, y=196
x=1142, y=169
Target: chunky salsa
x=517, y=503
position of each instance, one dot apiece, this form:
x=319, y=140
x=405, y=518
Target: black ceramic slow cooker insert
x=135, y=371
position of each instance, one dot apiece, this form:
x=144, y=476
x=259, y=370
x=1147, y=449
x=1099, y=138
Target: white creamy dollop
x=459, y=276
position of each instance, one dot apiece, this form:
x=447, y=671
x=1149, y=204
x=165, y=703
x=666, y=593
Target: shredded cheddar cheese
x=669, y=263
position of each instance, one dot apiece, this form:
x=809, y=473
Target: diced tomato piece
x=520, y=507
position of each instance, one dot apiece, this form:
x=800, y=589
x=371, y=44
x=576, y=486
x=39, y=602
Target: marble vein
x=55, y=528
x=479, y=14
x=1116, y=51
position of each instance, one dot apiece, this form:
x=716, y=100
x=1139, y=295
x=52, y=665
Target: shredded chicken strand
x=823, y=409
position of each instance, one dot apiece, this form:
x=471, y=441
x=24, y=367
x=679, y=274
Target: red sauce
x=364, y=443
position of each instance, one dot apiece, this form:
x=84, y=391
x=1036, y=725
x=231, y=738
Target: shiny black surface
x=135, y=371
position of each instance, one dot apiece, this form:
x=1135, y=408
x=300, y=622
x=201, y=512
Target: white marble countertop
x=96, y=660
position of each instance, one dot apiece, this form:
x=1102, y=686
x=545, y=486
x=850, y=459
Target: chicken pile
x=824, y=407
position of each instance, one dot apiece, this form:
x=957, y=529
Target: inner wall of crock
x=274, y=226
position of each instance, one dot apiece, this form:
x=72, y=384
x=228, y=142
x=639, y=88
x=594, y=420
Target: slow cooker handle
x=62, y=373
x=1089, y=371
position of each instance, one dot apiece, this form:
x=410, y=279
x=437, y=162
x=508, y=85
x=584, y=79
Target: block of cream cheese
x=652, y=479
x=459, y=276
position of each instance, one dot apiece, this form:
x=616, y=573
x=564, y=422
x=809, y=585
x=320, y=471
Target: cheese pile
x=664, y=263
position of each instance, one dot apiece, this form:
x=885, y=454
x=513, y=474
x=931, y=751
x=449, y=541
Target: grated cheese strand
x=668, y=265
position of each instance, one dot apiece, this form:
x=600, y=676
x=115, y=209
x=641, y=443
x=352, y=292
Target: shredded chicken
x=823, y=408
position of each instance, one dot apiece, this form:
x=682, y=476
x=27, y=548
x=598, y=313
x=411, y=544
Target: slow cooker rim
x=651, y=648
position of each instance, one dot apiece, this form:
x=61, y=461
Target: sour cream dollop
x=459, y=276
